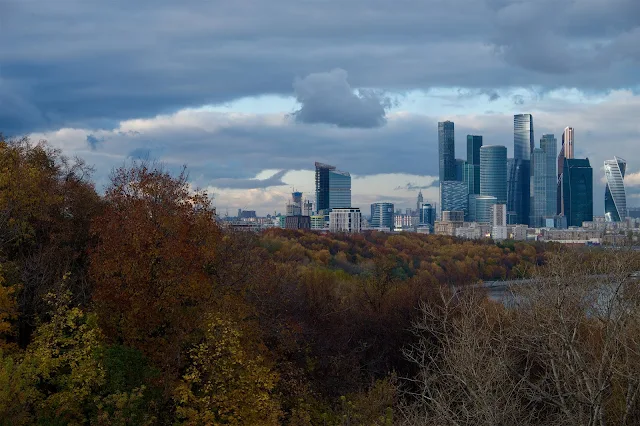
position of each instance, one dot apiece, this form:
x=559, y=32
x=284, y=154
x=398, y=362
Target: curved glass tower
x=615, y=197
x=493, y=172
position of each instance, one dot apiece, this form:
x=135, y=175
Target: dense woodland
x=133, y=306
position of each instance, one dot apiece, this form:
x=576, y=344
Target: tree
x=226, y=383
x=149, y=266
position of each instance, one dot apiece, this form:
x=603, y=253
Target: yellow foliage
x=225, y=383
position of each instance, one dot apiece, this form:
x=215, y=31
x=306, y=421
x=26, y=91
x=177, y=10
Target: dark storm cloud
x=228, y=183
x=92, y=63
x=328, y=98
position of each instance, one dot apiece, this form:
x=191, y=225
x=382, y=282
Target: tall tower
x=577, y=191
x=419, y=202
x=446, y=151
x=471, y=171
x=615, y=196
x=523, y=145
x=549, y=144
x=493, y=172
x=333, y=188
x=543, y=183
x=566, y=151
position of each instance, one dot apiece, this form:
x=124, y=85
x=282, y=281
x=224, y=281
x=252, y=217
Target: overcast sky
x=249, y=93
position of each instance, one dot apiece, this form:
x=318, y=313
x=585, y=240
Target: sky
x=249, y=94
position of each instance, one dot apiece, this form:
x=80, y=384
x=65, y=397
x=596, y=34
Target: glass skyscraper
x=543, y=182
x=454, y=196
x=549, y=145
x=480, y=208
x=474, y=142
x=577, y=191
x=523, y=145
x=493, y=172
x=446, y=151
x=566, y=151
x=427, y=215
x=333, y=188
x=615, y=196
x=471, y=173
x=382, y=215
x=471, y=177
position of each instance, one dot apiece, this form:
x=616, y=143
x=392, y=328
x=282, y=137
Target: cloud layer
x=95, y=63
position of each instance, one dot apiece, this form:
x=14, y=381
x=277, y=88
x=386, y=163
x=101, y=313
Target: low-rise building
x=345, y=220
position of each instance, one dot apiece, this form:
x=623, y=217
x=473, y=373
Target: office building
x=446, y=151
x=345, y=220
x=517, y=192
x=453, y=216
x=549, y=144
x=427, y=216
x=566, y=151
x=419, y=201
x=499, y=230
x=297, y=222
x=453, y=196
x=493, y=172
x=523, y=145
x=523, y=142
x=480, y=207
x=615, y=196
x=577, y=191
x=459, y=168
x=471, y=171
x=382, y=215
x=307, y=208
x=318, y=222
x=294, y=207
x=543, y=182
x=333, y=188
x=474, y=143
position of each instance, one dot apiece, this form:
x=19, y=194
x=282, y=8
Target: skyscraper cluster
x=538, y=186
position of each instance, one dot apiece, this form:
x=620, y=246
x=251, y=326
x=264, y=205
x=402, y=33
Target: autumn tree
x=155, y=240
x=46, y=204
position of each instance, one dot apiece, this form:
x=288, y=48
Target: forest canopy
x=133, y=306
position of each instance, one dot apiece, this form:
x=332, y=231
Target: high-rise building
x=382, y=215
x=517, y=201
x=471, y=174
x=294, y=207
x=523, y=142
x=460, y=168
x=474, y=143
x=499, y=230
x=543, y=182
x=427, y=215
x=480, y=208
x=333, y=188
x=493, y=172
x=446, y=151
x=615, y=196
x=345, y=220
x=523, y=145
x=419, y=201
x=549, y=145
x=453, y=196
x=577, y=191
x=471, y=177
x=538, y=202
x=566, y=151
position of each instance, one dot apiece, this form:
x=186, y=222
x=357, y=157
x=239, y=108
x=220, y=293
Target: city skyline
x=258, y=94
